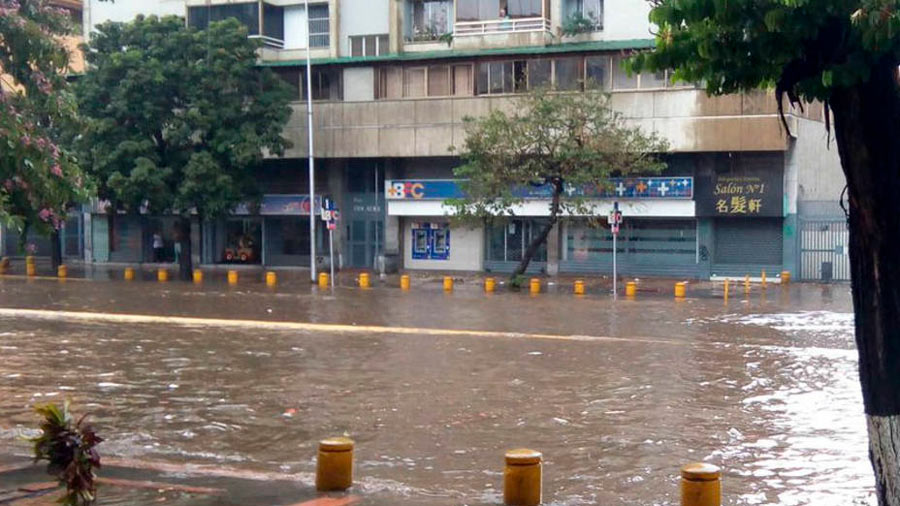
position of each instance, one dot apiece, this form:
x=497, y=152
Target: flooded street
x=616, y=394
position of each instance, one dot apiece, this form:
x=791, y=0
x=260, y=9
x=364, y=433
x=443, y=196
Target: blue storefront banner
x=281, y=205
x=615, y=188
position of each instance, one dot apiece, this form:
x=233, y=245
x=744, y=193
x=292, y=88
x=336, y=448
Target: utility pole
x=312, y=168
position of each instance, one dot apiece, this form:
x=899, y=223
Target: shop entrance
x=363, y=214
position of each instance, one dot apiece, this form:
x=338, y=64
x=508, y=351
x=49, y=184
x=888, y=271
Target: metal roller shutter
x=756, y=241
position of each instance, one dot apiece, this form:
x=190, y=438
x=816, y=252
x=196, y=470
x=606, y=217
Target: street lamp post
x=312, y=168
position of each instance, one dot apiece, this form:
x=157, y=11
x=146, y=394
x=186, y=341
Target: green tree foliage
x=564, y=141
x=844, y=53
x=38, y=178
x=178, y=120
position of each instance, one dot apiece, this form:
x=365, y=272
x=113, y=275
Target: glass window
x=246, y=13
x=621, y=79
x=414, y=82
x=368, y=45
x=653, y=80
x=438, y=81
x=243, y=237
x=430, y=19
x=462, y=80
x=477, y=10
x=568, y=74
x=356, y=46
x=597, y=72
x=524, y=8
x=326, y=84
x=508, y=241
x=390, y=82
x=520, y=76
x=273, y=21
x=538, y=73
x=319, y=26
x=291, y=75
x=591, y=9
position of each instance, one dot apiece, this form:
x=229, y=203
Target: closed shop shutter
x=755, y=241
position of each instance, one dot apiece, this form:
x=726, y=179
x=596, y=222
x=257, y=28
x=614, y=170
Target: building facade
x=391, y=84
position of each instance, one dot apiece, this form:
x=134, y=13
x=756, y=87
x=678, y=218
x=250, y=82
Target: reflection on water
x=768, y=390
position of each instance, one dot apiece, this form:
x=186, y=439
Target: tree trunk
x=867, y=122
x=185, y=264
x=541, y=238
x=55, y=250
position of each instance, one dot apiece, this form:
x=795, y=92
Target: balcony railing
x=268, y=41
x=501, y=26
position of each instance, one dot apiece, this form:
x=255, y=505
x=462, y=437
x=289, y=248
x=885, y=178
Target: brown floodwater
x=765, y=387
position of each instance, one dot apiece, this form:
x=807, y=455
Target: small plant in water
x=69, y=449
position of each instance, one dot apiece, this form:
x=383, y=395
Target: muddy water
x=765, y=387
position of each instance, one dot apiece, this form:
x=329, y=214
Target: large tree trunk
x=541, y=238
x=55, y=250
x=867, y=125
x=183, y=237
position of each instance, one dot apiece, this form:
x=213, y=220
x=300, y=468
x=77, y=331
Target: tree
x=39, y=179
x=178, y=120
x=844, y=53
x=561, y=142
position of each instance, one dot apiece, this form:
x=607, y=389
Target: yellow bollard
x=162, y=275
x=448, y=284
x=404, y=282
x=334, y=466
x=271, y=279
x=129, y=274
x=579, y=287
x=29, y=260
x=198, y=276
x=232, y=277
x=680, y=289
x=323, y=280
x=785, y=277
x=522, y=478
x=534, y=286
x=726, y=289
x=490, y=284
x=763, y=279
x=30, y=270
x=364, y=280
x=62, y=272
x=747, y=283
x=4, y=265
x=630, y=289
x=701, y=485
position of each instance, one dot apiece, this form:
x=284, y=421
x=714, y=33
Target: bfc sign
x=613, y=188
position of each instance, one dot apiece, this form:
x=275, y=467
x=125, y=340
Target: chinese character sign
x=740, y=196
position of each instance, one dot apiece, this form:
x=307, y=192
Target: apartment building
x=392, y=81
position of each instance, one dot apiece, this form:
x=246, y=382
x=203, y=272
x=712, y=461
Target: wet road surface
x=765, y=387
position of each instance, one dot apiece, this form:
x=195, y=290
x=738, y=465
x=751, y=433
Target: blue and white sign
x=615, y=188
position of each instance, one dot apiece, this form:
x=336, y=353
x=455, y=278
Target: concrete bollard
x=630, y=289
x=198, y=276
x=701, y=485
x=579, y=287
x=747, y=283
x=271, y=279
x=323, y=280
x=490, y=284
x=162, y=275
x=129, y=274
x=785, y=277
x=334, y=466
x=62, y=272
x=534, y=286
x=726, y=289
x=680, y=289
x=30, y=270
x=404, y=282
x=448, y=284
x=522, y=478
x=364, y=280
x=232, y=277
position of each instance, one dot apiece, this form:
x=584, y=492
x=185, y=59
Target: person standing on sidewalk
x=157, y=247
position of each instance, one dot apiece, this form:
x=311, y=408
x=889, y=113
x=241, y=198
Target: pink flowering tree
x=39, y=179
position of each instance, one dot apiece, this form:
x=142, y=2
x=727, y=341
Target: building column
x=395, y=26
x=553, y=250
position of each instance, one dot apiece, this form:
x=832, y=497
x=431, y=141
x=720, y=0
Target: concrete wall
x=97, y=12
x=820, y=179
x=362, y=17
x=466, y=249
x=688, y=118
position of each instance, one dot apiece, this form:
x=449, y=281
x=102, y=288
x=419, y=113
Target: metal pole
x=375, y=260
x=615, y=274
x=312, y=168
x=331, y=254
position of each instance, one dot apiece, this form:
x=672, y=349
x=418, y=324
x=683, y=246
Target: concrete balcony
x=688, y=118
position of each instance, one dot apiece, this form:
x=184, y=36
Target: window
x=495, y=78
x=430, y=19
x=597, y=72
x=590, y=9
x=246, y=13
x=390, y=82
x=477, y=10
x=621, y=79
x=327, y=84
x=273, y=21
x=523, y=8
x=368, y=45
x=508, y=241
x=568, y=74
x=539, y=73
x=653, y=80
x=462, y=80
x=438, y=81
x=319, y=26
x=291, y=75
x=414, y=82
